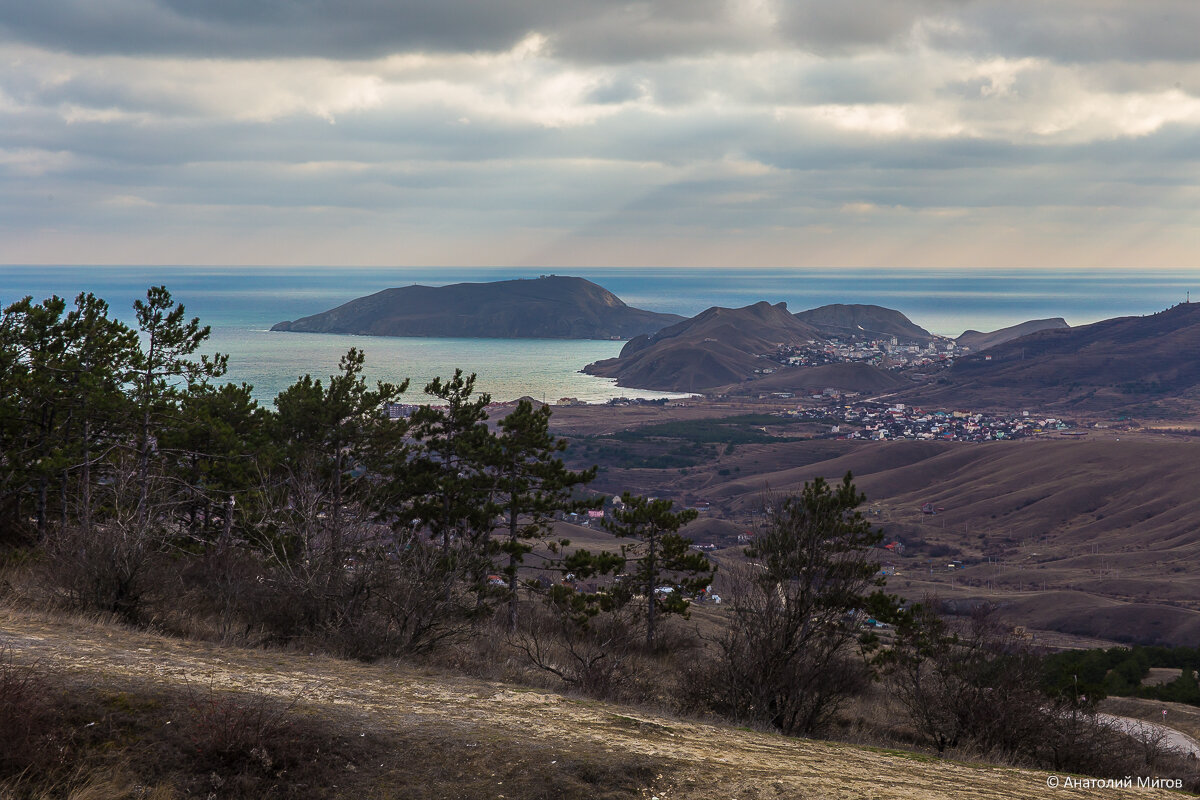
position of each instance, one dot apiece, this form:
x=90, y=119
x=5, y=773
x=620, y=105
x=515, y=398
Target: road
x=1172, y=738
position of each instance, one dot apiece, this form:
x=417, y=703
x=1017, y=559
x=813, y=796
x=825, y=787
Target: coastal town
x=885, y=353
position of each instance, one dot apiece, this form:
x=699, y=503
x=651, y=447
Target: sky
x=703, y=133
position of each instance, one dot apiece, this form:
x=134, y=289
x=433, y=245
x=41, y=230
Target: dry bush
x=366, y=603
x=108, y=569
x=236, y=733
x=779, y=661
x=215, y=588
x=1083, y=743
x=105, y=783
x=967, y=684
x=29, y=719
x=874, y=718
x=593, y=655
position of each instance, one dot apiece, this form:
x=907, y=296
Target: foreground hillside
x=432, y=736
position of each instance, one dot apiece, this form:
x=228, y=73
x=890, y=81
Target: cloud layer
x=706, y=132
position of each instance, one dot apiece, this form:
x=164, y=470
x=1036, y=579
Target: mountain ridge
x=1105, y=365
x=857, y=320
x=717, y=346
x=978, y=340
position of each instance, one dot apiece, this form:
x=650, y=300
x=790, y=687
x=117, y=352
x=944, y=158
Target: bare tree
x=109, y=565
x=569, y=637
x=973, y=682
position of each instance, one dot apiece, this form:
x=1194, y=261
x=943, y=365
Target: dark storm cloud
x=730, y=121
x=265, y=28
x=602, y=31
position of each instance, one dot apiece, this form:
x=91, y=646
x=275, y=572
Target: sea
x=242, y=303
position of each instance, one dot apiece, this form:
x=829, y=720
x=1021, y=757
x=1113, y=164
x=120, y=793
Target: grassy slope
x=437, y=736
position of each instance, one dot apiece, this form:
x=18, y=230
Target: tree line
x=120, y=447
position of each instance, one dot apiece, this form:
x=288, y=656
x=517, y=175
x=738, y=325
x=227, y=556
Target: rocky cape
x=723, y=347
x=549, y=307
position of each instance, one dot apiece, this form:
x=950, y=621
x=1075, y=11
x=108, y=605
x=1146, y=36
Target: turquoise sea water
x=241, y=304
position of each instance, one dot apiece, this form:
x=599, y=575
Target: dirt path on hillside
x=713, y=761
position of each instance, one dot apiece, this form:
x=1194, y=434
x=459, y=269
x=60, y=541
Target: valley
x=1090, y=536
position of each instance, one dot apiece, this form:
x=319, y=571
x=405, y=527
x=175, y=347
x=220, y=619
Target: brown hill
x=717, y=347
x=1093, y=538
x=981, y=341
x=550, y=307
x=1105, y=365
x=858, y=321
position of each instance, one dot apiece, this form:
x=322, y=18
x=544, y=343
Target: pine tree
x=666, y=569
x=337, y=441
x=449, y=483
x=787, y=655
x=37, y=392
x=532, y=484
x=165, y=368
x=102, y=355
x=221, y=439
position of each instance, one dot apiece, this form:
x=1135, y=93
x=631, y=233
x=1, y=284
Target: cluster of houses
x=593, y=516
x=871, y=421
x=884, y=353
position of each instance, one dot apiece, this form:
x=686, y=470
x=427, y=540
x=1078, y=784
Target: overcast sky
x=923, y=133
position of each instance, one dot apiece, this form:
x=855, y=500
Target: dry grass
x=392, y=731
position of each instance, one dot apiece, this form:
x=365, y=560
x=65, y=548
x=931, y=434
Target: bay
x=241, y=304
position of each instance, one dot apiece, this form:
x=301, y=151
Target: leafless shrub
x=109, y=564
x=106, y=569
x=236, y=732
x=348, y=583
x=592, y=654
x=970, y=684
x=1083, y=742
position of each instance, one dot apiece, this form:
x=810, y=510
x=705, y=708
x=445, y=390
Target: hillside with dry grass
x=166, y=718
x=1112, y=364
x=1091, y=537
